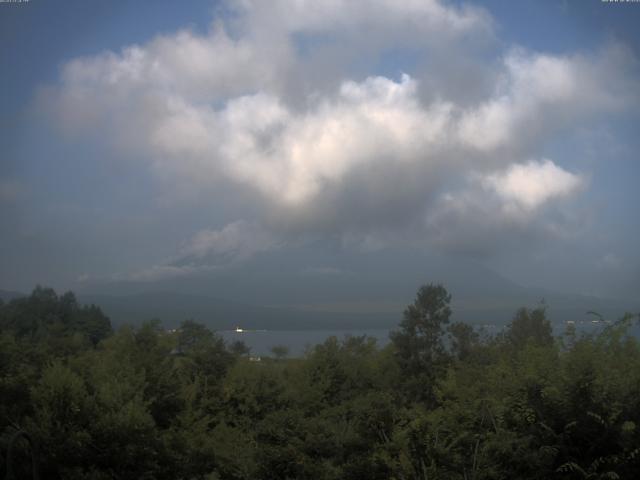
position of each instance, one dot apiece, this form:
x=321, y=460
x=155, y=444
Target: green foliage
x=43, y=316
x=146, y=403
x=280, y=351
x=419, y=345
x=464, y=340
x=530, y=326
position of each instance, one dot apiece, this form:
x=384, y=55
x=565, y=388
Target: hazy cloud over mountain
x=371, y=124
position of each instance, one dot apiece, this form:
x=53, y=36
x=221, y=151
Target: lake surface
x=298, y=341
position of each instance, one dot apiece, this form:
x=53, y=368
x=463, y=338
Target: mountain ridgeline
x=442, y=400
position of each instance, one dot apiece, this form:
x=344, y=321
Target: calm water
x=297, y=341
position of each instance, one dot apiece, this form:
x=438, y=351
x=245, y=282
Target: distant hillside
x=219, y=314
x=172, y=308
x=363, y=291
x=487, y=306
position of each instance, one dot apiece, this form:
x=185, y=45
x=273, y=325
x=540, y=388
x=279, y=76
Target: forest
x=80, y=400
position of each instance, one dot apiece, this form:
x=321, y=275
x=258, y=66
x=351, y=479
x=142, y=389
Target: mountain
x=301, y=290
x=219, y=314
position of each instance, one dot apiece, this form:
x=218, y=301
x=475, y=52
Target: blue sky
x=144, y=142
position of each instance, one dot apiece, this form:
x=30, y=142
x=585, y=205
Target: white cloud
x=504, y=208
x=529, y=186
x=206, y=251
x=426, y=17
x=293, y=158
x=539, y=93
x=198, y=68
x=154, y=273
x=157, y=273
x=234, y=242
x=333, y=153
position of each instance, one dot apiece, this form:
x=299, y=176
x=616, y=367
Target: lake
x=297, y=341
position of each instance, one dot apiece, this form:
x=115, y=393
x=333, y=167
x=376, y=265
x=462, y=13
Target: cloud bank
x=269, y=101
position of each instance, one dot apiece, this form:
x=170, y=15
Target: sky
x=160, y=143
